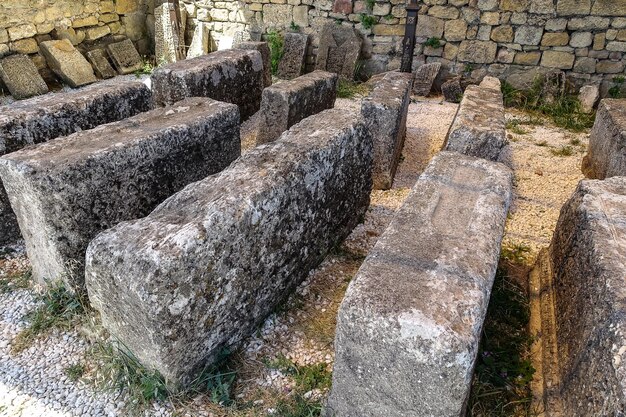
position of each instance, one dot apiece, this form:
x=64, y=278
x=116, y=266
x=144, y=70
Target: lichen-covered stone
x=66, y=191
x=20, y=76
x=286, y=103
x=125, y=56
x=264, y=49
x=234, y=76
x=339, y=50
x=452, y=90
x=410, y=324
x=605, y=153
x=67, y=62
x=204, y=269
x=100, y=62
x=479, y=126
x=294, y=54
x=46, y=117
x=425, y=76
x=385, y=111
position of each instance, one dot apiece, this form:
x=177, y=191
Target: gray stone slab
x=479, y=126
x=452, y=90
x=588, y=260
x=125, y=57
x=169, y=41
x=219, y=256
x=409, y=327
x=425, y=76
x=339, y=50
x=234, y=76
x=264, y=49
x=67, y=190
x=99, y=60
x=66, y=62
x=286, y=103
x=385, y=111
x=200, y=41
x=21, y=77
x=605, y=153
x=291, y=64
x=46, y=117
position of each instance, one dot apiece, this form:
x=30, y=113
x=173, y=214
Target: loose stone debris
x=21, y=77
x=294, y=55
x=66, y=62
x=125, y=57
x=605, y=157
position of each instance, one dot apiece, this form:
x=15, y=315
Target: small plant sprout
x=616, y=90
x=275, y=41
x=433, y=42
x=367, y=21
x=294, y=27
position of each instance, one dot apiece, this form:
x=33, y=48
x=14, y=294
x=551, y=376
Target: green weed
x=433, y=42
x=75, y=372
x=294, y=27
x=12, y=282
x=368, y=21
x=564, y=150
x=514, y=126
x=370, y=4
x=350, y=89
x=275, y=41
x=147, y=68
x=616, y=90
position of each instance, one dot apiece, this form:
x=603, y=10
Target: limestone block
x=385, y=111
x=588, y=23
x=234, y=76
x=443, y=12
x=488, y=5
x=455, y=30
x=84, y=22
x=301, y=15
x=126, y=6
x=96, y=32
x=429, y=27
x=264, y=50
x=291, y=64
x=409, y=326
x=490, y=18
x=277, y=15
x=528, y=35
x=479, y=126
x=581, y=39
x=588, y=97
x=609, y=67
x=100, y=62
x=285, y=104
x=527, y=58
x=425, y=76
x=169, y=41
x=477, y=51
x=22, y=32
x=67, y=62
x=557, y=59
x=228, y=249
x=573, y=7
x=339, y=50
x=119, y=171
x=609, y=7
x=514, y=5
x=200, y=42
x=69, y=34
x=542, y=6
x=20, y=76
x=125, y=56
x=585, y=65
x=502, y=34
x=25, y=46
x=605, y=157
x=555, y=39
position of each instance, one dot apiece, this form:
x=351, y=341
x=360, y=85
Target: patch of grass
x=294, y=27
x=388, y=17
x=433, y=42
x=616, y=90
x=350, y=89
x=15, y=281
x=275, y=40
x=564, y=150
x=58, y=308
x=516, y=253
x=575, y=142
x=368, y=21
x=147, y=68
x=75, y=372
x=514, y=126
x=370, y=4
x=298, y=406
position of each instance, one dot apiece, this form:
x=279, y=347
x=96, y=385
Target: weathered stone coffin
x=479, y=126
x=605, y=155
x=285, y=104
x=409, y=326
x=205, y=268
x=264, y=49
x=42, y=118
x=66, y=191
x=588, y=257
x=385, y=111
x=234, y=76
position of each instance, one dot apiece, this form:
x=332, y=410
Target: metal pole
x=408, y=44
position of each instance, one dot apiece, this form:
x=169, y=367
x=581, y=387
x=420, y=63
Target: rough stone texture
x=67, y=62
x=478, y=51
x=588, y=257
x=20, y=76
x=425, y=77
x=100, y=62
x=479, y=127
x=285, y=104
x=125, y=56
x=588, y=97
x=452, y=90
x=605, y=153
x=46, y=117
x=410, y=324
x=264, y=49
x=385, y=111
x=234, y=76
x=219, y=256
x=66, y=191
x=169, y=41
x=339, y=50
x=294, y=54
x=200, y=41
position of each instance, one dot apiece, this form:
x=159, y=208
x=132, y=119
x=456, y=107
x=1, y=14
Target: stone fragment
x=528, y=35
x=342, y=6
x=264, y=50
x=200, y=42
x=234, y=76
x=429, y=27
x=502, y=34
x=605, y=153
x=100, y=62
x=169, y=33
x=43, y=118
x=425, y=76
x=70, y=34
x=66, y=62
x=492, y=83
x=409, y=326
x=476, y=51
x=479, y=126
x=555, y=39
x=452, y=90
x=385, y=111
x=125, y=57
x=286, y=103
x=557, y=59
x=573, y=7
x=20, y=76
x=609, y=8
x=339, y=50
x=119, y=171
x=588, y=97
x=294, y=54
x=220, y=255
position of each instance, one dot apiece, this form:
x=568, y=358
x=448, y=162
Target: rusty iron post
x=408, y=44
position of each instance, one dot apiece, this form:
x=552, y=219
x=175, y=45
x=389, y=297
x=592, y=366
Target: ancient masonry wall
x=512, y=39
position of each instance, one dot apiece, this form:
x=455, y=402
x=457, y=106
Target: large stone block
x=125, y=57
x=66, y=191
x=46, y=117
x=339, y=50
x=264, y=49
x=479, y=126
x=480, y=52
x=234, y=76
x=205, y=268
x=169, y=39
x=286, y=103
x=385, y=111
x=609, y=7
x=425, y=76
x=605, y=153
x=20, y=76
x=67, y=62
x=100, y=62
x=294, y=54
x=410, y=324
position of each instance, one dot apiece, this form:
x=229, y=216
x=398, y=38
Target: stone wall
x=505, y=38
